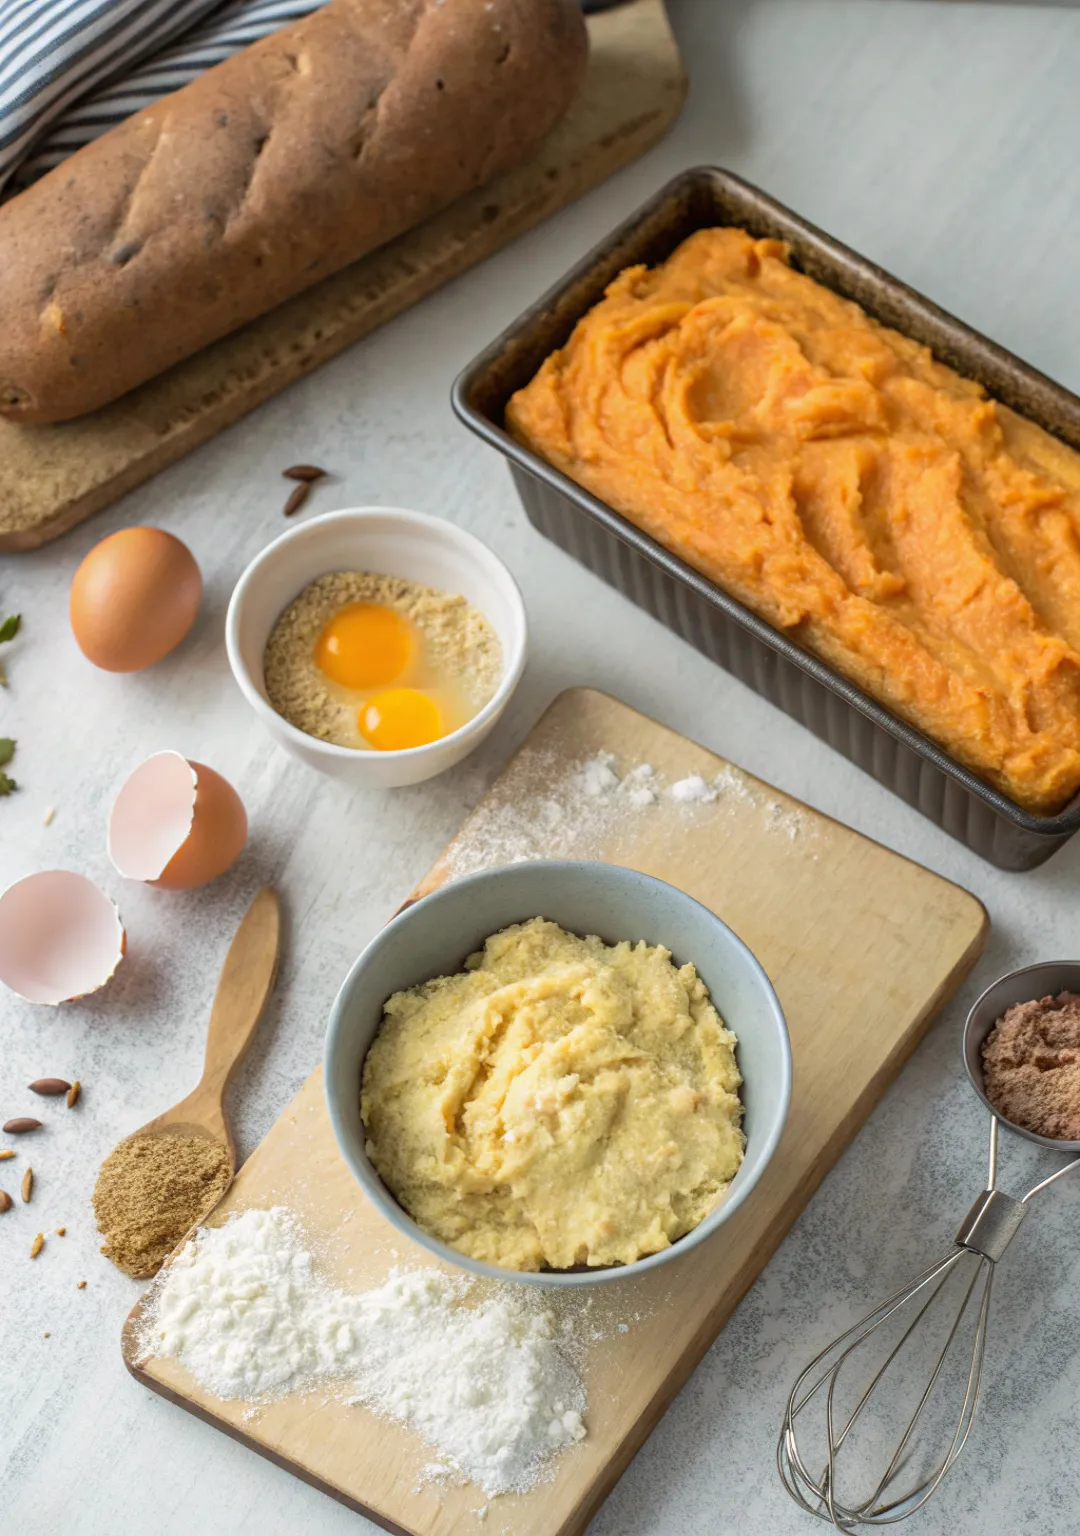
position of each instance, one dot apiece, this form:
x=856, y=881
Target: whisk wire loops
x=984, y=1235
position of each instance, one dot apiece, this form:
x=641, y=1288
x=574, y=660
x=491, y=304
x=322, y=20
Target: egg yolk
x=400, y=718
x=365, y=645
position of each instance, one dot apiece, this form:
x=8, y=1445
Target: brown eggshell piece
x=61, y=937
x=176, y=824
x=134, y=598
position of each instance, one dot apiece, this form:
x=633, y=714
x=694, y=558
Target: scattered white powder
x=639, y=775
x=431, y=1471
x=692, y=789
x=481, y=1378
x=637, y=786
x=439, y=1474
x=546, y=806
x=598, y=776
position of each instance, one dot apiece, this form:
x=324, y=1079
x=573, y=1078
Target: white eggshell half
x=152, y=816
x=60, y=937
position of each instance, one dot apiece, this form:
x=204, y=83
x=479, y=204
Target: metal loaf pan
x=898, y=756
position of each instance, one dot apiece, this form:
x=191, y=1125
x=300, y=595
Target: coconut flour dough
x=560, y=1102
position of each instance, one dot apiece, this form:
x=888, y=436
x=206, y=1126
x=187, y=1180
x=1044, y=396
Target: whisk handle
x=991, y=1224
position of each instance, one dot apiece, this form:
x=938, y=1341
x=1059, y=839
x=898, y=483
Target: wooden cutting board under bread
x=52, y=477
x=863, y=947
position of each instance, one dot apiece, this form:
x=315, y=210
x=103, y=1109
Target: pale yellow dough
x=561, y=1102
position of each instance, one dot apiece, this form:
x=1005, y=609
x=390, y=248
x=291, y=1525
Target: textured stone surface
x=933, y=137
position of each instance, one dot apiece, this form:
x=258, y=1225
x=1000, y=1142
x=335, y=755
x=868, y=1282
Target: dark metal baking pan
x=898, y=756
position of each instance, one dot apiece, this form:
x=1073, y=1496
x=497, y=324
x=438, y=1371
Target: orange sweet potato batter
x=864, y=499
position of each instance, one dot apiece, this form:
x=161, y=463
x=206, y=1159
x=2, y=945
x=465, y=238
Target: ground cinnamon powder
x=1031, y=1066
x=150, y=1190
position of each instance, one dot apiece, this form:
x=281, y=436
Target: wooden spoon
x=247, y=979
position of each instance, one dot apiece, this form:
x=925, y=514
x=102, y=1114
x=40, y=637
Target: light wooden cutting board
x=53, y=477
x=863, y=948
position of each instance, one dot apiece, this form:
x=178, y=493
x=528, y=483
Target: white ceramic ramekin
x=393, y=542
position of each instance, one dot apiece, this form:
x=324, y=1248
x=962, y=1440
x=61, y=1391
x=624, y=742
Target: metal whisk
x=843, y=1388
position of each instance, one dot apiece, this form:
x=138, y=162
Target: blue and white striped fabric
x=231, y=27
x=54, y=52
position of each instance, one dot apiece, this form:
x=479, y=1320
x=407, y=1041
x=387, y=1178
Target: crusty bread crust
x=273, y=170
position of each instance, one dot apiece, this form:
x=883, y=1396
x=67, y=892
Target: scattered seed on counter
x=6, y=1201
x=46, y=1335
x=50, y=1087
x=37, y=1245
x=47, y=819
x=21, y=1126
x=81, y=1285
x=297, y=498
x=27, y=1185
x=73, y=1094
x=5, y=1153
x=61, y=1231
x=304, y=472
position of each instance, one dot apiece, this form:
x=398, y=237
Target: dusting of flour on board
x=549, y=806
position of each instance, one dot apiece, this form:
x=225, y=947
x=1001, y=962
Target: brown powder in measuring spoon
x=151, y=1190
x=1031, y=1066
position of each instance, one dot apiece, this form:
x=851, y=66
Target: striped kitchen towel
x=231, y=27
x=54, y=52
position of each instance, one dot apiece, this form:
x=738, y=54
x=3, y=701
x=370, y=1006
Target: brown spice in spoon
x=1031, y=1066
x=151, y=1189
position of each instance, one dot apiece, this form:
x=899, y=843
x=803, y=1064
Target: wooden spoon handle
x=247, y=979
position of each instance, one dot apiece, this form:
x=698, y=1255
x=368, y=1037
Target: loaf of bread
x=273, y=170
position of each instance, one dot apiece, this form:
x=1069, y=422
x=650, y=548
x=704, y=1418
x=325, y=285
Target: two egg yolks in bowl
x=378, y=662
x=377, y=655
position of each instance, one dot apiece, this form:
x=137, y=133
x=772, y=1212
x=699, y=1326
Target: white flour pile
x=486, y=1384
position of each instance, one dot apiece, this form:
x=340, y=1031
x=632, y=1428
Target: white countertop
x=940, y=140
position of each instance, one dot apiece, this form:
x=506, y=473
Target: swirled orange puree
x=861, y=497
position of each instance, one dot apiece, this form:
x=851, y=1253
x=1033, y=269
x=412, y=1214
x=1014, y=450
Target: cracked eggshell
x=61, y=937
x=176, y=824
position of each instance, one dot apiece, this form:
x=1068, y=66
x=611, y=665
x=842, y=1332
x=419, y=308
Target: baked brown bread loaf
x=273, y=170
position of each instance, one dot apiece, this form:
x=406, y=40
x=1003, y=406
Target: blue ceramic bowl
x=434, y=935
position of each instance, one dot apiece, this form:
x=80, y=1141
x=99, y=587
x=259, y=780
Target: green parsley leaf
x=6, y=784
x=10, y=627
x=7, y=750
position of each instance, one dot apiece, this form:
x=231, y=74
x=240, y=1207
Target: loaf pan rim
x=1062, y=823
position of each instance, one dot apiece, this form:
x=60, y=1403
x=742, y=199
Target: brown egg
x=134, y=598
